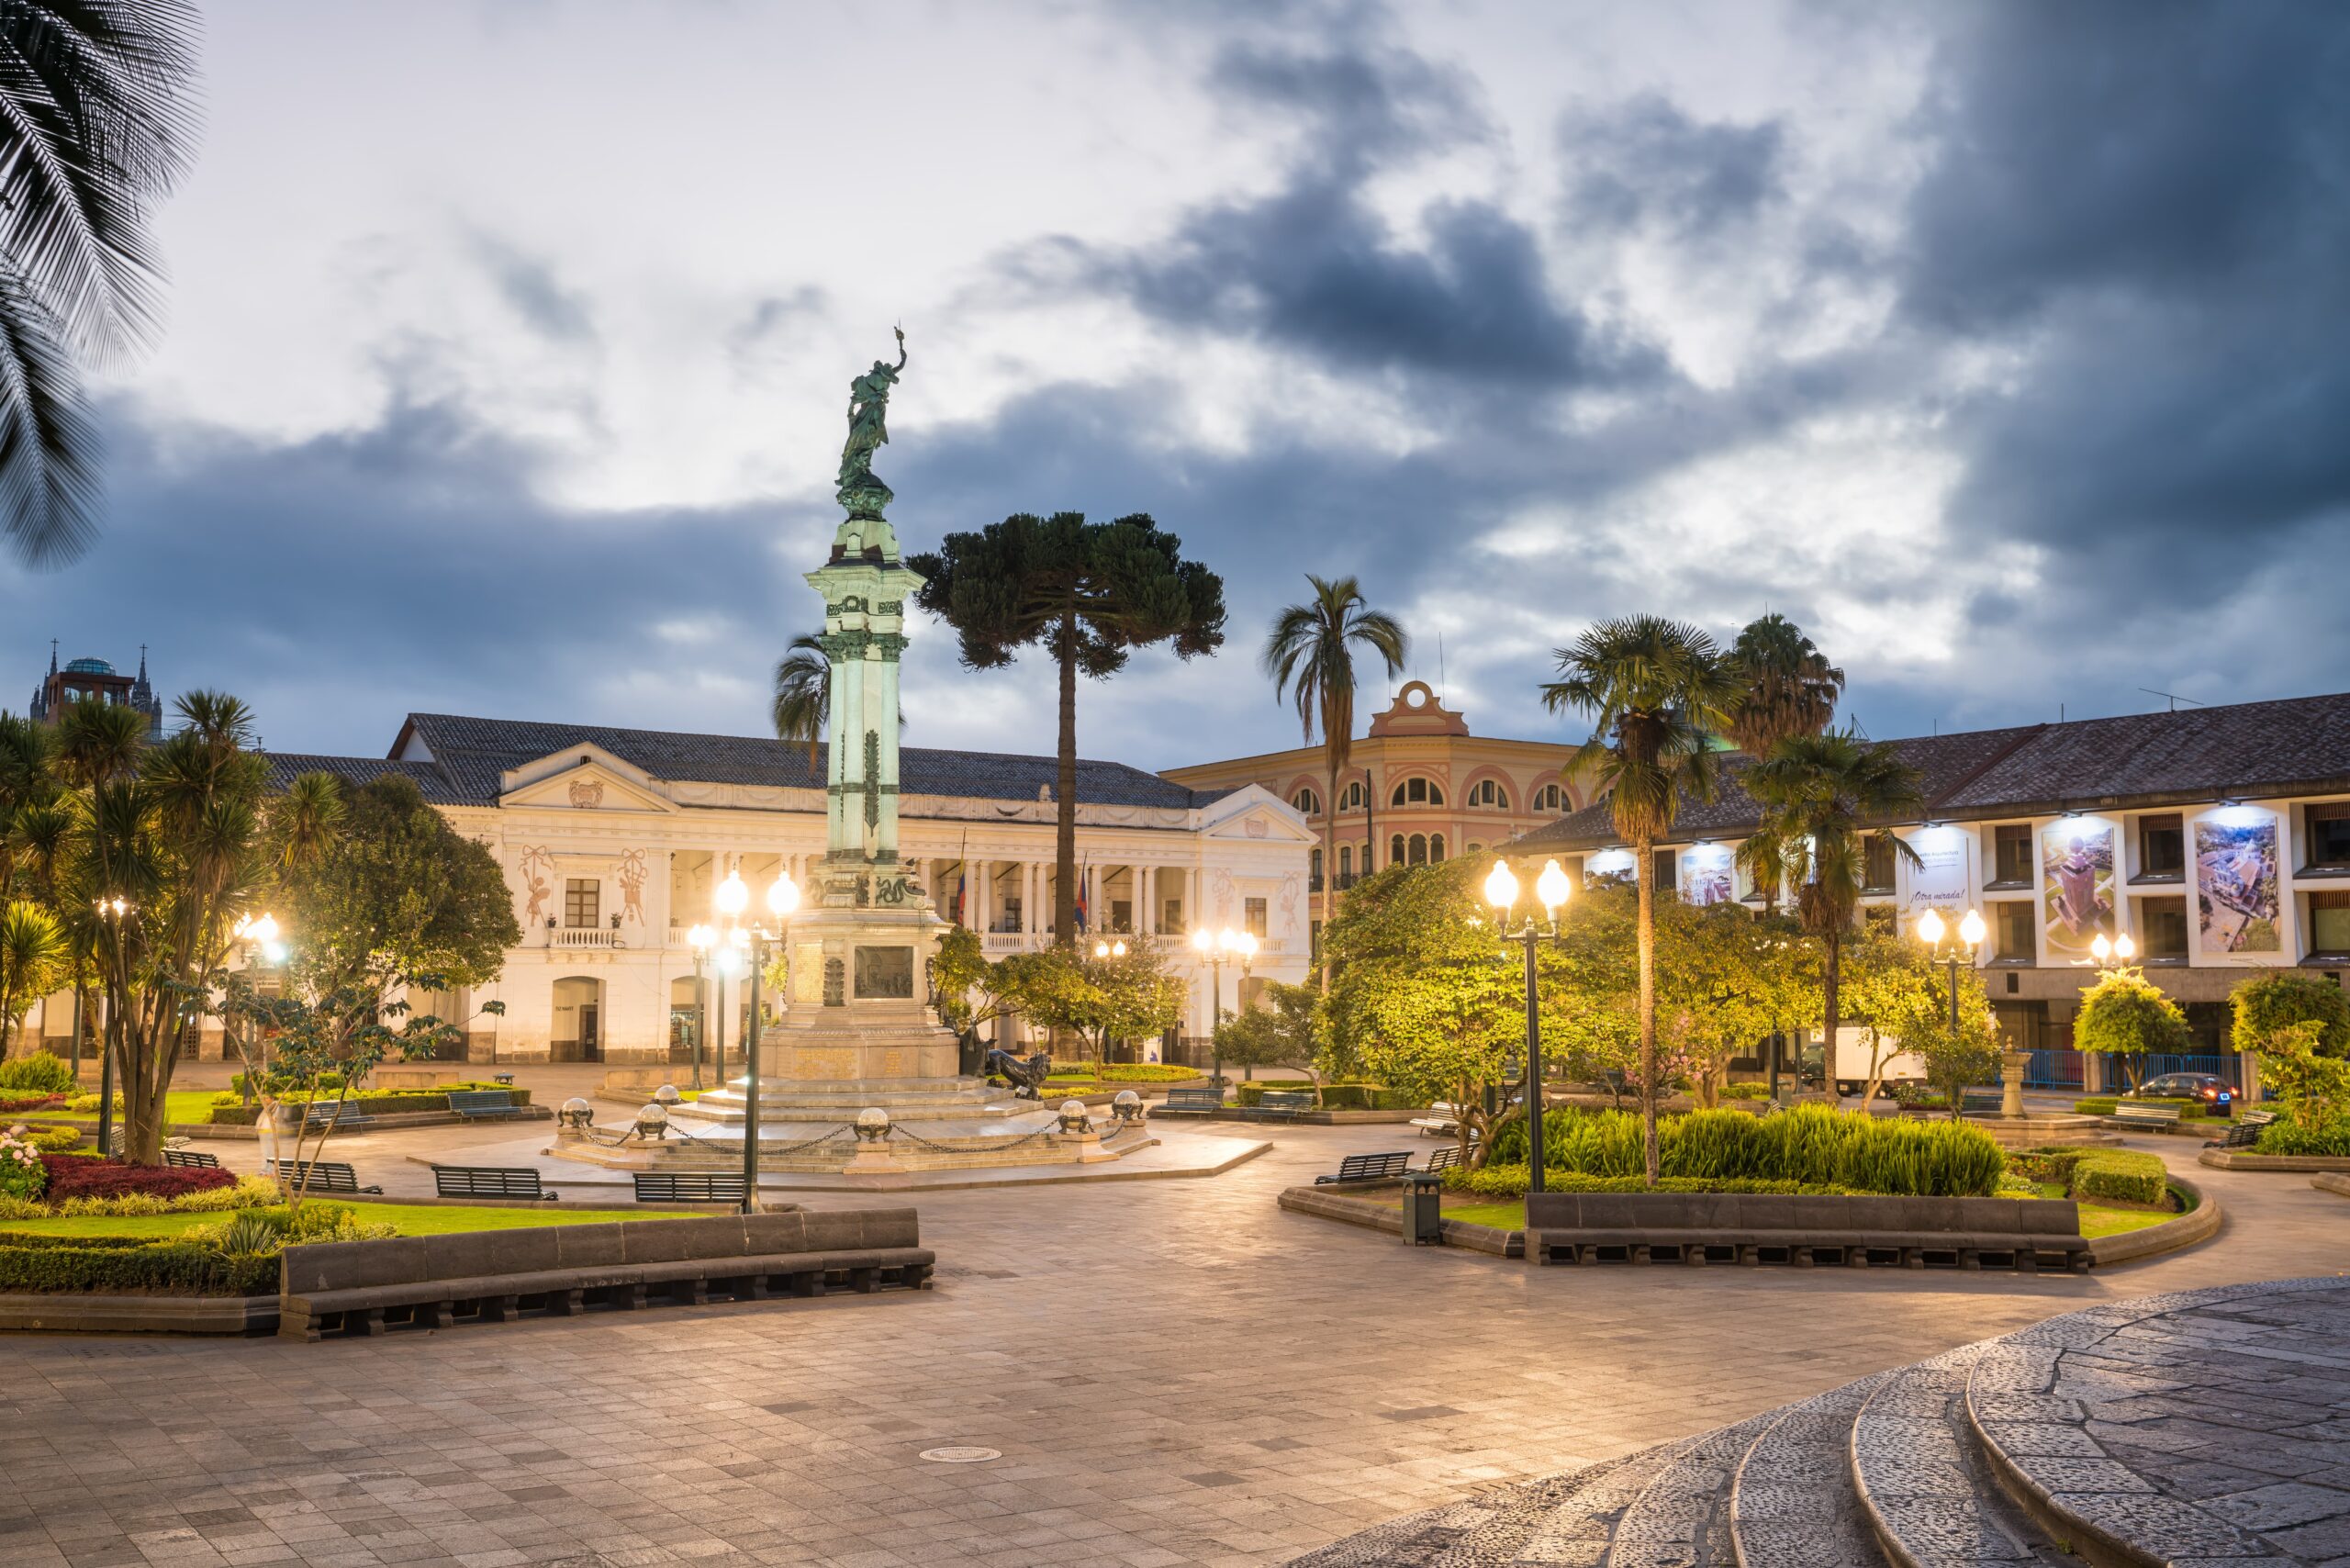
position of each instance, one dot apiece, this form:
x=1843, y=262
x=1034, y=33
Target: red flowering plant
x=70, y=1176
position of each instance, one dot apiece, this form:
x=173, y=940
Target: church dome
x=89, y=666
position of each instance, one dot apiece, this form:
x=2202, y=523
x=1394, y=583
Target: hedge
x=36, y=1072
x=1125, y=1071
x=1510, y=1180
x=228, y=1111
x=2119, y=1174
x=2106, y=1105
x=2289, y=1138
x=1809, y=1144
x=125, y=1264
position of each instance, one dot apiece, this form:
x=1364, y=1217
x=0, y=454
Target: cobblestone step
x=1924, y=1488
x=1682, y=1519
x=1792, y=1501
x=1574, y=1532
x=1489, y=1530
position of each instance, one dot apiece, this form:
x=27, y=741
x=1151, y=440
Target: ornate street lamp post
x=1552, y=889
x=258, y=935
x=111, y=913
x=1942, y=943
x=732, y=897
x=700, y=938
x=1216, y=948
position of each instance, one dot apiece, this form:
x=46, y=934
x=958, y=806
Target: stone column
x=1145, y=897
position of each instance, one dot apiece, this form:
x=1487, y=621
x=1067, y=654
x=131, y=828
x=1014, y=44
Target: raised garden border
x=2336, y=1183
x=61, y=1314
x=2236, y=1160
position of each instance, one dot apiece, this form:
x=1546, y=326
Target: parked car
x=2214, y=1091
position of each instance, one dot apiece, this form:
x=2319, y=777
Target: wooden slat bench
x=2128, y=1114
x=689, y=1186
x=1192, y=1102
x=1438, y=1123
x=1369, y=1168
x=2023, y=1234
x=491, y=1182
x=191, y=1159
x=1281, y=1106
x=429, y=1281
x=334, y=1112
x=1443, y=1159
x=472, y=1103
x=321, y=1176
x=2246, y=1131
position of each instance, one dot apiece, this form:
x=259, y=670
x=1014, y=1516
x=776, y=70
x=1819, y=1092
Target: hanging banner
x=1705, y=876
x=1940, y=881
x=2077, y=883
x=1611, y=865
x=2236, y=881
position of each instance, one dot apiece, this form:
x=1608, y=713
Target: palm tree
x=1310, y=655
x=1818, y=793
x=98, y=742
x=96, y=124
x=1791, y=689
x=33, y=961
x=1654, y=690
x=803, y=694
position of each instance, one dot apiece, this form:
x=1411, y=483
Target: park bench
x=1281, y=1104
x=689, y=1187
x=2246, y=1131
x=2023, y=1234
x=1192, y=1102
x=191, y=1159
x=429, y=1281
x=1438, y=1123
x=334, y=1114
x=472, y=1103
x=2156, y=1117
x=321, y=1176
x=1443, y=1159
x=1369, y=1168
x=1980, y=1102
x=491, y=1182
x=507, y=1079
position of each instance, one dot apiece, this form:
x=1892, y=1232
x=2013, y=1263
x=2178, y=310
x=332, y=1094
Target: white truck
x=1894, y=1065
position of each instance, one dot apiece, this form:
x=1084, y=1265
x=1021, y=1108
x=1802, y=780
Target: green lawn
x=2095, y=1219
x=182, y=1107
x=413, y=1219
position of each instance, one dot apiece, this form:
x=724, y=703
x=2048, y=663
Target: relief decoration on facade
x=632, y=874
x=587, y=793
x=535, y=867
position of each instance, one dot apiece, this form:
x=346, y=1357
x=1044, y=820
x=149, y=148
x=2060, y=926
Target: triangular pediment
x=1255, y=813
x=582, y=778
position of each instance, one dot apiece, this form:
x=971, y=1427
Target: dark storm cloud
x=530, y=287
x=343, y=581
x=1313, y=267
x=1649, y=158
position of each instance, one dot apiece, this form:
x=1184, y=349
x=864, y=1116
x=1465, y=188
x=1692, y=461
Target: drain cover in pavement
x=960, y=1455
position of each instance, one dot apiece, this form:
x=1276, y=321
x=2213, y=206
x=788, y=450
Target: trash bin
x=1423, y=1200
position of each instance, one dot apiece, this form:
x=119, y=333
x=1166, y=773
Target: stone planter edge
x=2199, y=1223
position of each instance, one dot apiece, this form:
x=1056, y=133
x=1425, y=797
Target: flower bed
x=1125, y=1072
x=70, y=1177
x=1511, y=1181
x=1810, y=1145
x=228, y=1110
x=11, y=1101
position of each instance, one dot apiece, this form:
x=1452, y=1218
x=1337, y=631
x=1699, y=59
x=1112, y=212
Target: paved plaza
x=1175, y=1371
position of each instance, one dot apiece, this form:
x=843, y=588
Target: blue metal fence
x=2053, y=1070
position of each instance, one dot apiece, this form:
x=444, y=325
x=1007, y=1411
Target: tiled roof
x=284, y=767
x=469, y=755
x=2297, y=745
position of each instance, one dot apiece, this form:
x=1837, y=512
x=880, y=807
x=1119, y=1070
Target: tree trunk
x=1065, y=796
x=1828, y=1012
x=1647, y=929
x=1329, y=861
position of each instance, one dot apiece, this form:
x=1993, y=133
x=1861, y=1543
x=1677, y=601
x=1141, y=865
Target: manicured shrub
x=244, y=1192
x=2119, y=1174
x=52, y=1140
x=1510, y=1182
x=2289, y=1138
x=1809, y=1144
x=118, y=1265
x=73, y=1178
x=1746, y=1091
x=38, y=1072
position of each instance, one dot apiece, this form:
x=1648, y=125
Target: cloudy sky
x=2005, y=347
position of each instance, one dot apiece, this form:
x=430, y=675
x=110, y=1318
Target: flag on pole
x=963, y=885
x=1081, y=900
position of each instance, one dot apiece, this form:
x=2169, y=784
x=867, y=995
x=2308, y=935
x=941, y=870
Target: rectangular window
x=2329, y=826
x=1122, y=914
x=2015, y=935
x=1009, y=919
x=2011, y=860
x=1252, y=914
x=1172, y=921
x=2162, y=925
x=1876, y=864
x=1666, y=864
x=1314, y=936
x=2330, y=922
x=579, y=901
x=2161, y=845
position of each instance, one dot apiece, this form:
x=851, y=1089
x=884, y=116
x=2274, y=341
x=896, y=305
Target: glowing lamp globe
x=1501, y=888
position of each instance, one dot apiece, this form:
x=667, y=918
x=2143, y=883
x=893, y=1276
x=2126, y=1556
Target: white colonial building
x=612, y=841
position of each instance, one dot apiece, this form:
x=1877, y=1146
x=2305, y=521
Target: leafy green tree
x=1139, y=995
x=1653, y=688
x=1818, y=795
x=391, y=899
x=1282, y=1030
x=1791, y=689
x=2313, y=1087
x=98, y=123
x=35, y=959
x=1089, y=593
x=1728, y=981
x=1310, y=654
x=2268, y=1003
x=1957, y=1061
x=1901, y=996
x=2125, y=1015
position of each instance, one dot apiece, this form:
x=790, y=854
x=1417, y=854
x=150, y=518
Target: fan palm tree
x=1791, y=689
x=1653, y=690
x=1817, y=794
x=1310, y=654
x=33, y=962
x=803, y=694
x=98, y=742
x=96, y=125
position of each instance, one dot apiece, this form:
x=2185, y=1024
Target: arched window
x=1475, y=847
x=1345, y=861
x=1488, y=792
x=1396, y=850
x=1354, y=796
x=1550, y=797
x=1307, y=802
x=1419, y=851
x=1417, y=792
x=1436, y=849
x=1314, y=865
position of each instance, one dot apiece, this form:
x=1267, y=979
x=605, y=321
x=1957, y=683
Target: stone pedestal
x=2011, y=1065
x=856, y=1007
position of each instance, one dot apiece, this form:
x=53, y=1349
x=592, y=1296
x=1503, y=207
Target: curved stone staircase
x=2206, y=1429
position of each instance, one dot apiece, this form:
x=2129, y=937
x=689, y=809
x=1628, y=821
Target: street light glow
x=731, y=898
x=1553, y=888
x=1203, y=940
x=1930, y=929
x=701, y=937
x=2124, y=948
x=1501, y=888
x=2102, y=948
x=783, y=895
x=1971, y=930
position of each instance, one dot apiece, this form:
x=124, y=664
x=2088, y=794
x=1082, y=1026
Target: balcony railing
x=583, y=937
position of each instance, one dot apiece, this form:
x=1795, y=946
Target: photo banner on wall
x=1611, y=865
x=2076, y=882
x=1706, y=875
x=2236, y=881
x=1939, y=881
